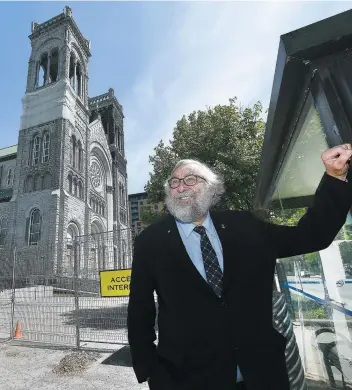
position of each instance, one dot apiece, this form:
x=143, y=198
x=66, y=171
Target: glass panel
x=317, y=286
x=34, y=232
x=45, y=157
x=36, y=145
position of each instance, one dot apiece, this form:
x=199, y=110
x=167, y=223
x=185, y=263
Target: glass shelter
x=311, y=110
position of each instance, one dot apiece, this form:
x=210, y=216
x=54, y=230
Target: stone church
x=67, y=177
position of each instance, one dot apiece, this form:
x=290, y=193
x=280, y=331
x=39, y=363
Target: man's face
x=189, y=202
x=184, y=194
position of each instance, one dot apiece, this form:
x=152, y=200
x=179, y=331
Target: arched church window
x=72, y=70
x=42, y=70
x=79, y=80
x=123, y=196
x=74, y=186
x=80, y=190
x=9, y=177
x=54, y=65
x=34, y=227
x=3, y=230
x=75, y=75
x=117, y=131
x=73, y=151
x=96, y=175
x=79, y=154
x=120, y=193
x=69, y=179
x=35, y=150
x=46, y=143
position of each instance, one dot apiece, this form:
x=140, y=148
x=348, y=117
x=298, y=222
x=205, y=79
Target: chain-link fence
x=54, y=292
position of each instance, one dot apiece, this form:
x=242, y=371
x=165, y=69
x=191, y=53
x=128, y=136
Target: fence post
x=76, y=288
x=13, y=292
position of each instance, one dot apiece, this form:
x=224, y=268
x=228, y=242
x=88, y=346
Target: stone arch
x=31, y=207
x=47, y=46
x=98, y=226
x=98, y=152
x=69, y=181
x=47, y=62
x=74, y=48
x=96, y=149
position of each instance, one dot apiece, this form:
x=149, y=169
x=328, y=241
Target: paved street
x=314, y=286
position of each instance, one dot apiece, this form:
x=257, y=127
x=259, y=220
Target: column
x=47, y=78
x=65, y=62
x=85, y=89
x=82, y=87
x=75, y=75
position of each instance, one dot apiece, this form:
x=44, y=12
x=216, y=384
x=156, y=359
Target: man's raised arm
x=323, y=220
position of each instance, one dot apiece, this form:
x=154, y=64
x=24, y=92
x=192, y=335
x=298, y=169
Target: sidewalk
x=37, y=368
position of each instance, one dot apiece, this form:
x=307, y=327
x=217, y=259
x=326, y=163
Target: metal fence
x=53, y=292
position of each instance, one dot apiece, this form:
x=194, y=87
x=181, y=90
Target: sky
x=163, y=59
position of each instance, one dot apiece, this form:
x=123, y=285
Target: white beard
x=197, y=206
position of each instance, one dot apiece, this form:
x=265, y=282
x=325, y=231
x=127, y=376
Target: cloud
x=218, y=50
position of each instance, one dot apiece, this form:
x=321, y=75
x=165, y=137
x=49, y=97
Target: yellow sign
x=115, y=283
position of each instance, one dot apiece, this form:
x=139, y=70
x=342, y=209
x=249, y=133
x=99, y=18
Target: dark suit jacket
x=193, y=323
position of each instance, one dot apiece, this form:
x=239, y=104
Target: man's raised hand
x=337, y=159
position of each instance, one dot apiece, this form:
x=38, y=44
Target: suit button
x=223, y=304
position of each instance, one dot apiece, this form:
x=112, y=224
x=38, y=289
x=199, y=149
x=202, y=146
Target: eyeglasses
x=189, y=180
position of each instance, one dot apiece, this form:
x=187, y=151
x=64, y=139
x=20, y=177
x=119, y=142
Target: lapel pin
x=222, y=226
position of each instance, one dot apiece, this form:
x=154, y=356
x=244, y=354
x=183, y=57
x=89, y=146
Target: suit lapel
x=180, y=255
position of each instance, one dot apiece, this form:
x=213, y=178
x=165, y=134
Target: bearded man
x=213, y=275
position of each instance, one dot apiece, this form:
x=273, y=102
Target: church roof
x=8, y=151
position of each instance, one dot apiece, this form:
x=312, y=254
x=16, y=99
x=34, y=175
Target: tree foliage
x=150, y=216
x=226, y=137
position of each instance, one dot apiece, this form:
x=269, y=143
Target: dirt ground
x=41, y=368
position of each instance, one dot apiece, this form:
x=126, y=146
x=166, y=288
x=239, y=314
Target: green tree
x=288, y=217
x=150, y=216
x=226, y=137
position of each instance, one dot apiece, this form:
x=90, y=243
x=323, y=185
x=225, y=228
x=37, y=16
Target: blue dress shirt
x=191, y=241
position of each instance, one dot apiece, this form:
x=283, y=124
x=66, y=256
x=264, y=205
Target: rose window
x=95, y=174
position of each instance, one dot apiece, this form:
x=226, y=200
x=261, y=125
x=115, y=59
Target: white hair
x=214, y=181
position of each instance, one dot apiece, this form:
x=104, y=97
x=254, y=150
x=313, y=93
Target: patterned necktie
x=211, y=264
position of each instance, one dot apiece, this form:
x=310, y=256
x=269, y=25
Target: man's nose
x=181, y=187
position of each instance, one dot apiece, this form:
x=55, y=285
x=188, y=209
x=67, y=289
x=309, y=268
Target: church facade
x=67, y=176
